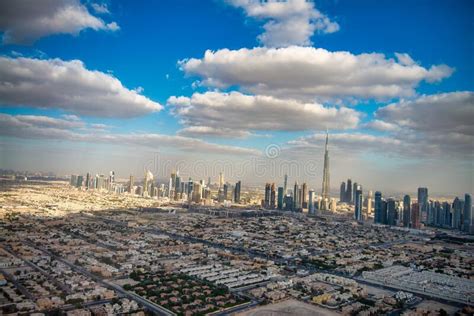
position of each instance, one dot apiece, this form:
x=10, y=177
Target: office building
x=281, y=197
x=415, y=216
x=406, y=211
x=358, y=204
x=342, y=192
x=423, y=203
x=237, y=192
x=378, y=208
x=311, y=202
x=349, y=191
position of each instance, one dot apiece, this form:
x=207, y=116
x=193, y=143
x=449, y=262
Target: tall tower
x=325, y=193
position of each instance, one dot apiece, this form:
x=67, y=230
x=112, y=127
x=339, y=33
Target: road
x=156, y=309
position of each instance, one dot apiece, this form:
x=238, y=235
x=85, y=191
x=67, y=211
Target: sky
x=243, y=87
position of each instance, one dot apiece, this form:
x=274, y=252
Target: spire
x=326, y=185
x=327, y=138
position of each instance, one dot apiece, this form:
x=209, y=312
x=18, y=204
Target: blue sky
x=152, y=37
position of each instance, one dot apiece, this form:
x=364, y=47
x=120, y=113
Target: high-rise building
x=354, y=189
x=226, y=188
x=295, y=197
x=130, y=185
x=281, y=196
x=288, y=201
x=177, y=186
x=415, y=216
x=221, y=179
x=272, y=196
x=304, y=194
x=285, y=185
x=237, y=192
x=468, y=214
x=88, y=180
x=358, y=204
x=311, y=202
x=406, y=210
x=266, y=202
x=197, y=192
x=369, y=204
x=458, y=207
x=326, y=185
x=391, y=212
x=378, y=208
x=80, y=179
x=423, y=203
x=349, y=191
x=342, y=192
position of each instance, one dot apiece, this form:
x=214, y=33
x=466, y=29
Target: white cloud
x=382, y=126
x=291, y=22
x=206, y=131
x=237, y=111
x=42, y=127
x=439, y=113
x=307, y=72
x=100, y=8
x=68, y=85
x=349, y=142
x=23, y=22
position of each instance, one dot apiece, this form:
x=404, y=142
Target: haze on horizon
x=94, y=86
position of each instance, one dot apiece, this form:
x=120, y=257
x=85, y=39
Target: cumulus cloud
x=212, y=111
x=100, y=8
x=349, y=142
x=291, y=22
x=68, y=85
x=382, y=126
x=307, y=72
x=439, y=113
x=430, y=126
x=23, y=21
x=43, y=127
x=206, y=131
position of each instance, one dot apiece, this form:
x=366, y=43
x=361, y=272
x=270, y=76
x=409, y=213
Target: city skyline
x=131, y=89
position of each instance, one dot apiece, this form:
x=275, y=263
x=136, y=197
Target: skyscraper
x=468, y=216
x=88, y=180
x=369, y=204
x=406, y=210
x=304, y=194
x=458, y=207
x=423, y=203
x=378, y=208
x=295, y=197
x=280, y=198
x=342, y=192
x=266, y=202
x=354, y=189
x=226, y=189
x=130, y=185
x=221, y=179
x=285, y=185
x=349, y=191
x=358, y=204
x=272, y=196
x=237, y=192
x=311, y=202
x=325, y=193
x=415, y=216
x=391, y=212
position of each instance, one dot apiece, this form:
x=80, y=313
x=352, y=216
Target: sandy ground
x=288, y=307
